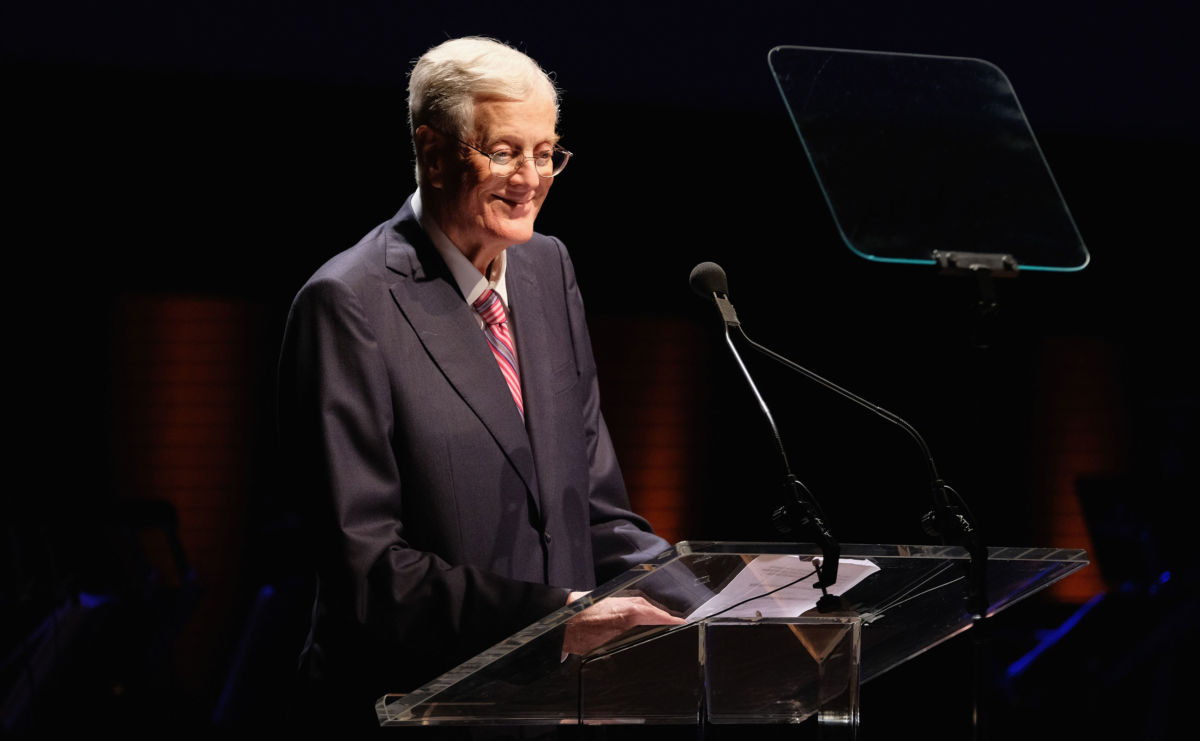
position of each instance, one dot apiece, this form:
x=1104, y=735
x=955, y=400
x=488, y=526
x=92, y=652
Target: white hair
x=448, y=79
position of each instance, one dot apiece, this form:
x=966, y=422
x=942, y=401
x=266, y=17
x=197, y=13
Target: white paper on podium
x=747, y=595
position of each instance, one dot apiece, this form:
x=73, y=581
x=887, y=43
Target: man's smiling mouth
x=514, y=203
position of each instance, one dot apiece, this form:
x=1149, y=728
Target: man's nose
x=526, y=171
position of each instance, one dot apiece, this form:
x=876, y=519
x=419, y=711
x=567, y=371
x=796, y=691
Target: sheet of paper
x=747, y=595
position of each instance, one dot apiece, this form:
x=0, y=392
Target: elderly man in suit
x=439, y=403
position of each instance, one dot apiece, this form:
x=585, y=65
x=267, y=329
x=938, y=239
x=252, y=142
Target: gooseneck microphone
x=949, y=518
x=799, y=509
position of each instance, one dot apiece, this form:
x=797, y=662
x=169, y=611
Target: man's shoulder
x=545, y=242
x=388, y=245
x=541, y=253
x=356, y=259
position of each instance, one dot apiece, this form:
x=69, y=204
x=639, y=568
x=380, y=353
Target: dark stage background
x=176, y=170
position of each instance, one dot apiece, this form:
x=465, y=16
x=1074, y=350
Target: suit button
x=546, y=537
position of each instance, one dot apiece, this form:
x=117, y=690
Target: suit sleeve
x=621, y=539
x=387, y=613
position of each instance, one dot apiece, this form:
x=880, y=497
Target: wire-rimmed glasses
x=505, y=162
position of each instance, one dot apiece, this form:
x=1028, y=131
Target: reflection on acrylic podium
x=755, y=647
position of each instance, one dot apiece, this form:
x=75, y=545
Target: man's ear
x=431, y=155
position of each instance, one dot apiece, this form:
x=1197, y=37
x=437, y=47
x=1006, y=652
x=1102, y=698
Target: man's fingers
x=641, y=612
x=609, y=618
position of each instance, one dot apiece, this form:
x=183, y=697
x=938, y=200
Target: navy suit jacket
x=440, y=522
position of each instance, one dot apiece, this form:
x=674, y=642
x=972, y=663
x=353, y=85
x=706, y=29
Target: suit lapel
x=447, y=329
x=533, y=344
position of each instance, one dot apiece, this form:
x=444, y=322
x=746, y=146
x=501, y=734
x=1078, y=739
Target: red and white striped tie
x=495, y=322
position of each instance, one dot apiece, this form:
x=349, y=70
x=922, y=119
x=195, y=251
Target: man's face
x=481, y=212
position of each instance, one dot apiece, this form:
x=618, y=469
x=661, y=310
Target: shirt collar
x=470, y=281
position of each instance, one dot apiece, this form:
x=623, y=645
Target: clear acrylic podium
x=755, y=647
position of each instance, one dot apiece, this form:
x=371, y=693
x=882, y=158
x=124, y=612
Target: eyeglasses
x=505, y=162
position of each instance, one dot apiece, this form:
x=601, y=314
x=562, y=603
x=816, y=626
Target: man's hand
x=609, y=619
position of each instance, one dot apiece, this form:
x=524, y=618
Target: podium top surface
x=902, y=600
